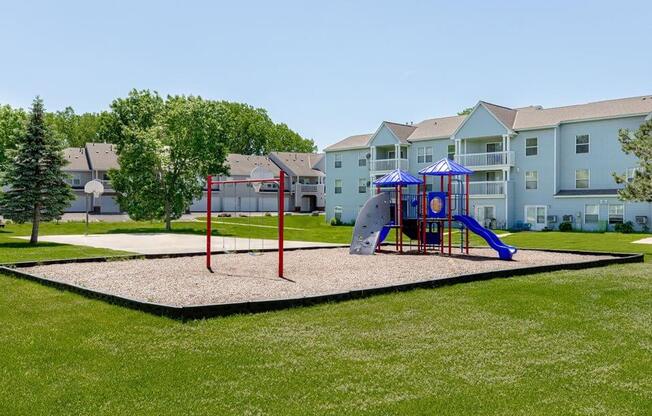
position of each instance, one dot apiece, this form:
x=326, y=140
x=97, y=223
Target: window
x=616, y=213
x=424, y=154
x=362, y=185
x=338, y=161
x=76, y=181
x=582, y=143
x=591, y=214
x=531, y=179
x=532, y=146
x=451, y=152
x=362, y=159
x=391, y=154
x=428, y=187
x=581, y=178
x=494, y=147
x=338, y=186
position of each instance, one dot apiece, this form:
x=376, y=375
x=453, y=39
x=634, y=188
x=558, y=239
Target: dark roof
x=102, y=156
x=76, y=157
x=584, y=192
x=401, y=131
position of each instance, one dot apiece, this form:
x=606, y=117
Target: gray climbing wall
x=373, y=216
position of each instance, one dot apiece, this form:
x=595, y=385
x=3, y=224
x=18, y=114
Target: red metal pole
x=400, y=218
x=450, y=214
x=281, y=220
x=424, y=214
x=396, y=218
x=466, y=191
x=441, y=223
x=209, y=195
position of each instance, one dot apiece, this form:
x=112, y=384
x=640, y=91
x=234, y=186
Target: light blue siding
x=383, y=137
x=481, y=124
x=556, y=162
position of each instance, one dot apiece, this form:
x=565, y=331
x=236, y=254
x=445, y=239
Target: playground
x=431, y=246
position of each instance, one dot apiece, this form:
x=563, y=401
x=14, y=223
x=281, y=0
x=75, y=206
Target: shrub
x=268, y=214
x=625, y=228
x=335, y=221
x=565, y=226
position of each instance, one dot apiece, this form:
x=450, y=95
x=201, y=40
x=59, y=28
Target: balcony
x=380, y=165
x=309, y=188
x=487, y=188
x=480, y=161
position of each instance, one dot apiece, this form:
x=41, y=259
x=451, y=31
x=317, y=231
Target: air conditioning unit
x=552, y=219
x=568, y=218
x=641, y=219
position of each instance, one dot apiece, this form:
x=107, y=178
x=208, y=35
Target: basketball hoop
x=259, y=172
x=95, y=188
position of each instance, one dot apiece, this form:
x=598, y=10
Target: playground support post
x=424, y=215
x=209, y=198
x=450, y=215
x=281, y=219
x=400, y=219
x=466, y=229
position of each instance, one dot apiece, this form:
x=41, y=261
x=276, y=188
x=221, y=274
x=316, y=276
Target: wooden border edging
x=223, y=309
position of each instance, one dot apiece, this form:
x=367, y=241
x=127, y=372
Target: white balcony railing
x=476, y=160
x=309, y=188
x=389, y=164
x=487, y=188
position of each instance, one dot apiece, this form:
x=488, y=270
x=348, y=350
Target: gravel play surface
x=244, y=277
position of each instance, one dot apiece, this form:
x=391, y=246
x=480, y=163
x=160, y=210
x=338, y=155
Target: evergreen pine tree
x=36, y=186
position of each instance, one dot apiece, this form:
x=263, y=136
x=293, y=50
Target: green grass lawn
x=576, y=342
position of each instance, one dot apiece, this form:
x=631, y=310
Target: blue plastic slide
x=505, y=252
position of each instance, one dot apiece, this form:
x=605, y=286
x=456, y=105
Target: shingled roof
x=77, y=161
x=242, y=165
x=524, y=118
x=102, y=156
x=298, y=164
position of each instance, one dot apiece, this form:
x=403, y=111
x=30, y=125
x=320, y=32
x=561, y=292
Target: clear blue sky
x=328, y=69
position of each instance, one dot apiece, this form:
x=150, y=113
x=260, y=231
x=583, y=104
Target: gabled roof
x=242, y=165
x=533, y=117
x=102, y=156
x=436, y=128
x=76, y=157
x=504, y=114
x=358, y=141
x=445, y=167
x=397, y=177
x=514, y=119
x=298, y=164
x=401, y=131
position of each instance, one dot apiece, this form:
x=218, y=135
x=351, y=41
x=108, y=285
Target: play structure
x=257, y=179
x=428, y=217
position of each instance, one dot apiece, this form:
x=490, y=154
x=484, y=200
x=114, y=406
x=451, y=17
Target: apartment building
x=92, y=162
x=304, y=186
x=532, y=165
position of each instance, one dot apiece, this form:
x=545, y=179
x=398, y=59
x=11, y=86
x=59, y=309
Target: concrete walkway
x=162, y=243
x=647, y=240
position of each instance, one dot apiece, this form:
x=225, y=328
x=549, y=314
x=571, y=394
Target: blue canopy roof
x=397, y=177
x=445, y=167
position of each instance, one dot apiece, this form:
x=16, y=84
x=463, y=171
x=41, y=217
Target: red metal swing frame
x=281, y=212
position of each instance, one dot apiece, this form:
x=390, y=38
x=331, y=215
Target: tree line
x=165, y=145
